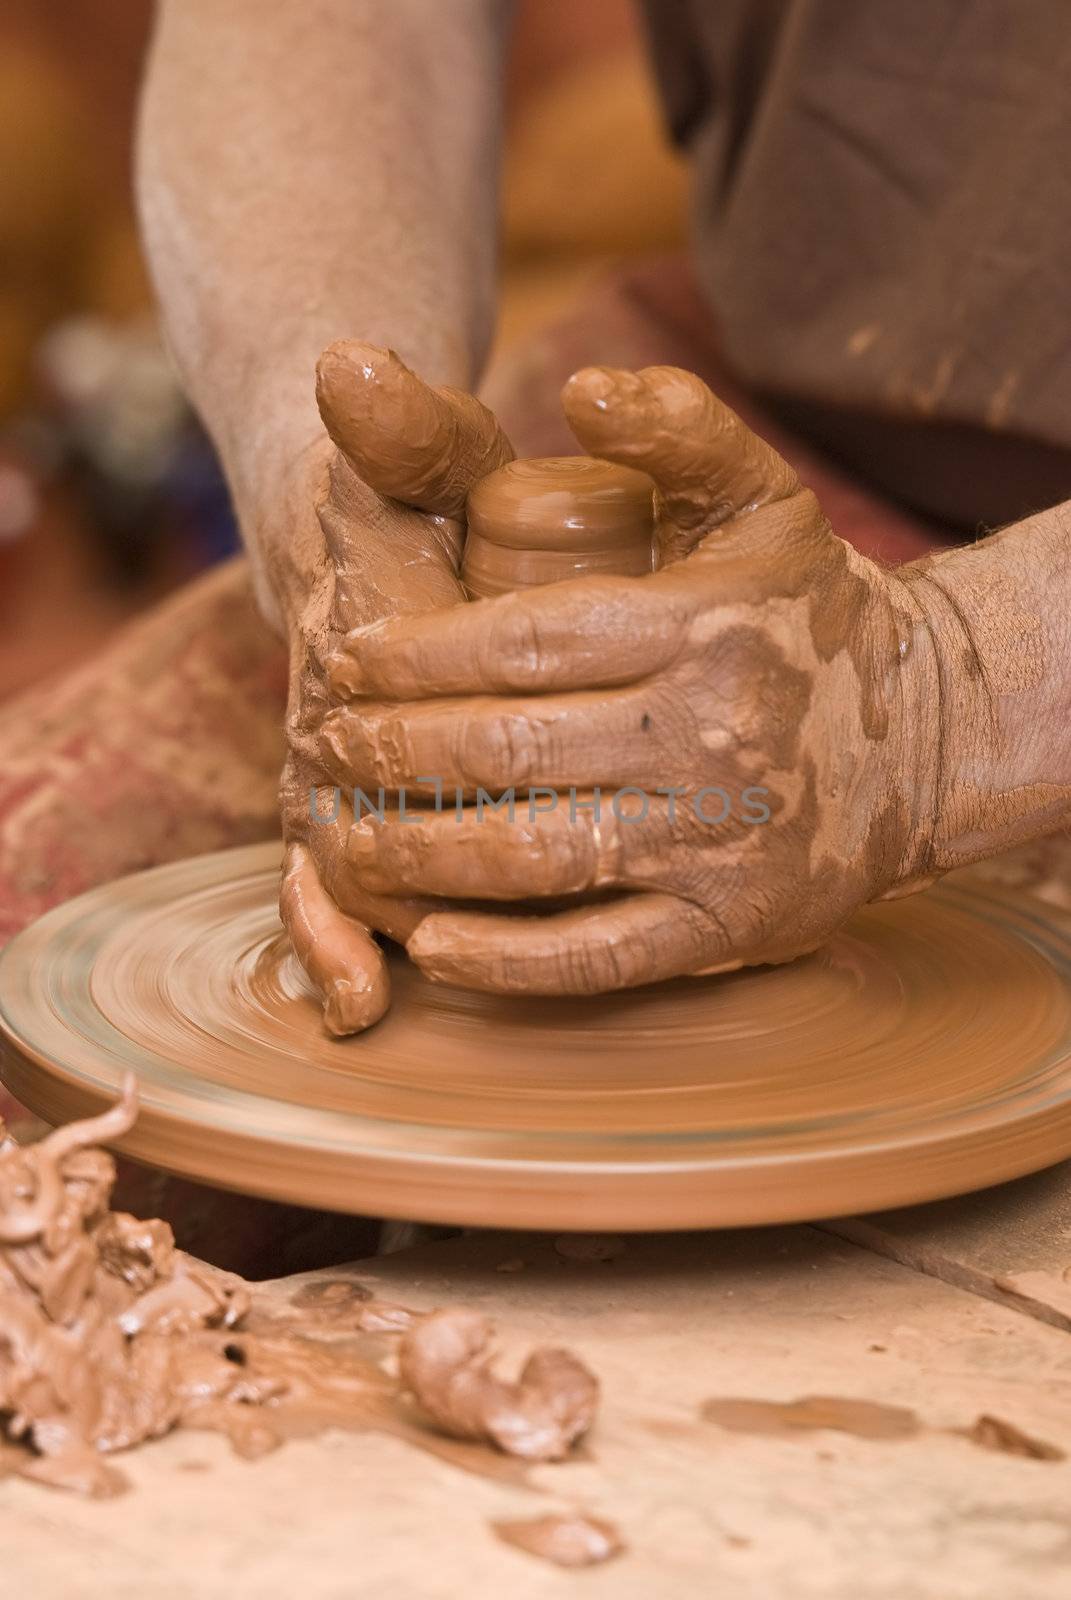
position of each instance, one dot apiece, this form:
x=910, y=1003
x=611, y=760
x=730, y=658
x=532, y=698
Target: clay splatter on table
x=568, y=1539
x=867, y=1419
x=109, y=1337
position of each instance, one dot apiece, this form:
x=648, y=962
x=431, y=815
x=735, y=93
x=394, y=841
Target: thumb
x=707, y=464
x=403, y=438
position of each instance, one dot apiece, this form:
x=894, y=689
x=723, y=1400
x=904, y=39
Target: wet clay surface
x=563, y=1539
x=110, y=1337
x=924, y=1050
x=445, y=1361
x=867, y=1419
x=553, y=518
x=994, y=1433
x=897, y=724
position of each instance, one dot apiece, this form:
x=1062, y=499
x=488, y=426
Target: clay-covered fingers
x=543, y=847
x=640, y=735
x=338, y=954
x=326, y=841
x=707, y=464
x=588, y=633
x=638, y=938
x=405, y=439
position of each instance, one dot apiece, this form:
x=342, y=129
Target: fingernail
x=595, y=386
x=351, y=1007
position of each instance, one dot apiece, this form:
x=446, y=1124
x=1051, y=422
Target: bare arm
x=311, y=170
x=316, y=171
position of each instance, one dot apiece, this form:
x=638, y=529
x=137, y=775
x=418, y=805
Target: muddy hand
x=389, y=488
x=748, y=735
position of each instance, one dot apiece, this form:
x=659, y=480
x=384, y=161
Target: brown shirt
x=883, y=212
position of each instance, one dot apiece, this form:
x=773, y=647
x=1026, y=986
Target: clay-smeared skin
x=765, y=653
x=770, y=657
x=388, y=500
x=446, y=1361
x=344, y=963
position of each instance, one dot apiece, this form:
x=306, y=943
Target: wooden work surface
x=953, y=1310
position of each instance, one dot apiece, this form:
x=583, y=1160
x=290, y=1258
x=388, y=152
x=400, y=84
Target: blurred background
x=109, y=496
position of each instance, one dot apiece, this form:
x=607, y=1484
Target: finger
x=641, y=938
x=640, y=735
x=339, y=955
x=584, y=634
x=707, y=464
x=387, y=557
x=325, y=839
x=402, y=437
x=517, y=853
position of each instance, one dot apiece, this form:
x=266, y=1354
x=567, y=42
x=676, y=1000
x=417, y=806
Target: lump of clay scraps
x=567, y=1539
x=86, y=1299
x=140, y=1253
x=446, y=1361
x=993, y=1433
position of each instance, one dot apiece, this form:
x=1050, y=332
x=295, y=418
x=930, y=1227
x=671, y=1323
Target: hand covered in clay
x=388, y=490
x=758, y=717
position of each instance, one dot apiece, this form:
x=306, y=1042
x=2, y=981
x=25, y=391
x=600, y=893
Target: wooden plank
x=1011, y=1244
x=668, y=1324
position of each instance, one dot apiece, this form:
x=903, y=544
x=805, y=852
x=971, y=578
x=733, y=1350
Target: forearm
x=1000, y=615
x=310, y=170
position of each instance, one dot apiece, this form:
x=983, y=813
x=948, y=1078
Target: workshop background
x=109, y=495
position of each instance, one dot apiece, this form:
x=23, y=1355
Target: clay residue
x=343, y=1302
x=993, y=1433
x=109, y=1336
x=567, y=1539
x=866, y=1419
x=447, y=1363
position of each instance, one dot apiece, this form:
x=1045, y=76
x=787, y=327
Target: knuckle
x=515, y=649
x=495, y=752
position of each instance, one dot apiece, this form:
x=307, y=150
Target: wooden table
x=953, y=1310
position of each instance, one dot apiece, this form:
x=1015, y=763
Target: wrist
x=959, y=721
x=926, y=660
x=277, y=516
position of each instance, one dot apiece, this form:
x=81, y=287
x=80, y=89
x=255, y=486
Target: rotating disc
x=924, y=1052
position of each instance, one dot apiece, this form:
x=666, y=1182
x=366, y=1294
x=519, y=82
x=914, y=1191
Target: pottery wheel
x=925, y=1052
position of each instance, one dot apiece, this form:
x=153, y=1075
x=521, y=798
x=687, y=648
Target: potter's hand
x=383, y=540
x=765, y=663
